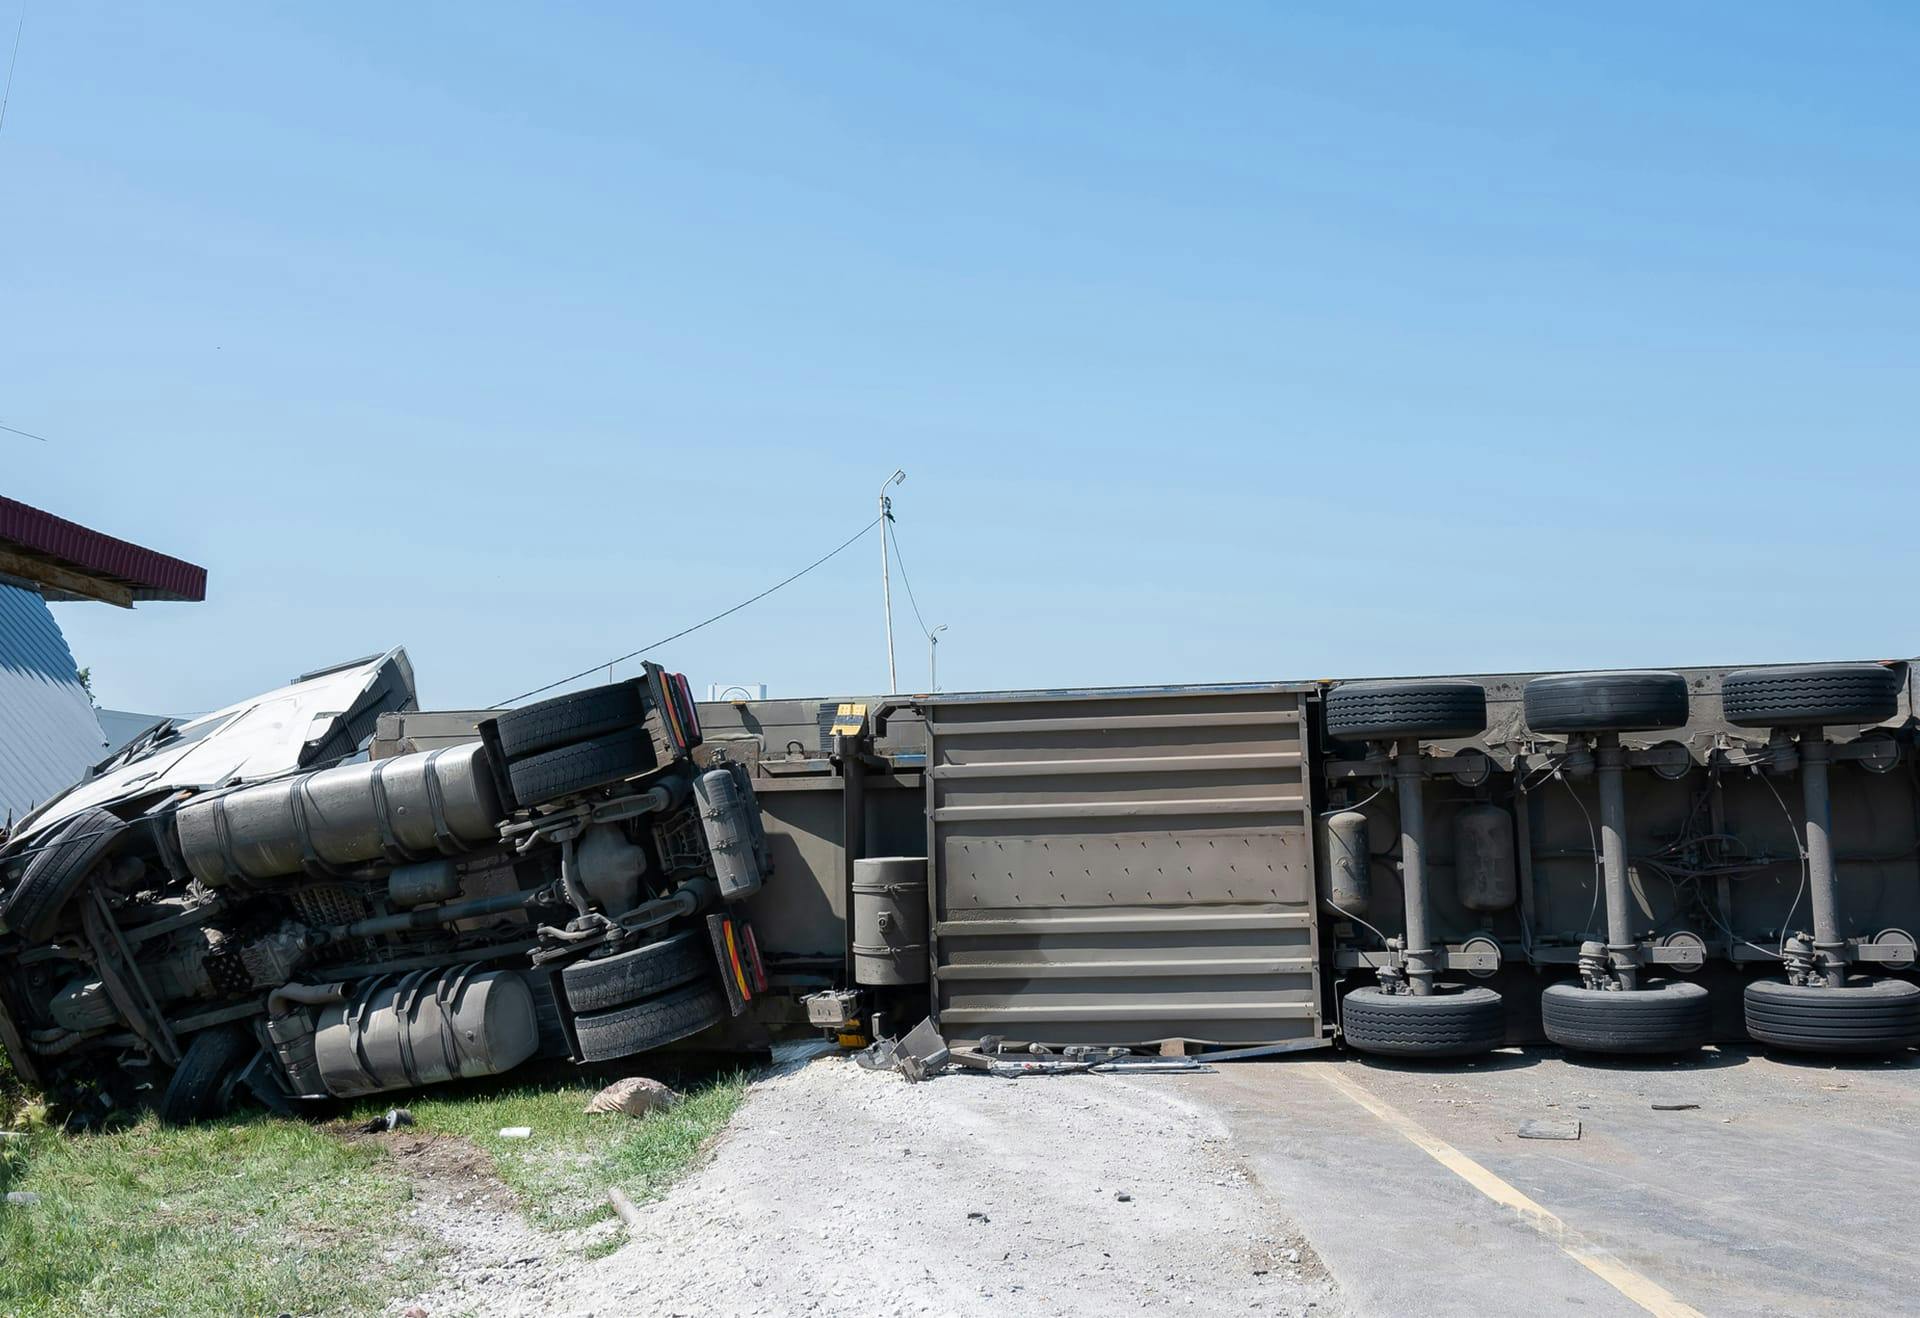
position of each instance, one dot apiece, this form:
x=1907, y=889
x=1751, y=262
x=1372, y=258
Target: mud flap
x=742, y=973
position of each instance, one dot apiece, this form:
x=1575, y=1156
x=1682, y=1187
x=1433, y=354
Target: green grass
x=560, y=1174
x=12, y=1092
x=264, y=1216
x=258, y=1217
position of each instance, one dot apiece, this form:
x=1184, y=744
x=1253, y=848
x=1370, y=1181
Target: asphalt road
x=1787, y=1190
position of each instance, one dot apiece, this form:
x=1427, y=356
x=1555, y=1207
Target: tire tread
x=643, y=972
x=639, y=1026
x=576, y=716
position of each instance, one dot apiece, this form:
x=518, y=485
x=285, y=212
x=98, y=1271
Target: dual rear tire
x=644, y=998
x=1863, y=1016
x=576, y=742
x=1671, y=1016
x=1453, y=1021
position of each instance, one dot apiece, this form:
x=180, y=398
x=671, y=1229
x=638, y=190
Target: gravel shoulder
x=838, y=1191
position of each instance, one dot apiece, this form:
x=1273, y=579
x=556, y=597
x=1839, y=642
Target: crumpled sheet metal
x=922, y=1053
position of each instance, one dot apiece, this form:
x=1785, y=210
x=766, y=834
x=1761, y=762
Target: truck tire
x=1662, y=1017
x=1453, y=1022
x=1606, y=702
x=1385, y=711
x=537, y=779
x=623, y=1031
x=1866, y=1016
x=1814, y=694
x=566, y=719
x=200, y=1085
x=594, y=985
x=55, y=874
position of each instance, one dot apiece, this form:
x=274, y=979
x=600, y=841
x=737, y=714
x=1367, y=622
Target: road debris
x=636, y=1096
x=1676, y=1107
x=919, y=1056
x=1549, y=1130
x=516, y=1132
x=392, y=1119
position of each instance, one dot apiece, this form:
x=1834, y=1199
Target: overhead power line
x=11, y=430
x=7, y=95
x=907, y=582
x=688, y=631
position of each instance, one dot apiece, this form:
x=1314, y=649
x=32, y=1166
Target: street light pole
x=933, y=645
x=886, y=580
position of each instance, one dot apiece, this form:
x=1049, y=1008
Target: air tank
x=1483, y=866
x=1346, y=877
x=729, y=815
x=890, y=920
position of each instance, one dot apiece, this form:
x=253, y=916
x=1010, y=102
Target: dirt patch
x=838, y=1191
x=843, y=1192
x=494, y=1258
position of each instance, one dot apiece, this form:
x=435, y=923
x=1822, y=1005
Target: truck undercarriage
x=248, y=904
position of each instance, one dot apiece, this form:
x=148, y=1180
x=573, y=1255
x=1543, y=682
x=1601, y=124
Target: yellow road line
x=1646, y=1293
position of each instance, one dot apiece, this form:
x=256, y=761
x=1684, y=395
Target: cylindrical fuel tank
x=890, y=920
x=1346, y=878
x=425, y=1028
x=1483, y=865
x=727, y=812
x=411, y=807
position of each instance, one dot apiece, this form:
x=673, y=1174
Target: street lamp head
x=937, y=630
x=899, y=477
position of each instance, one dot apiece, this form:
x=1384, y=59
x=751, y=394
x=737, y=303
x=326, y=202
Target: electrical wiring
x=1800, y=845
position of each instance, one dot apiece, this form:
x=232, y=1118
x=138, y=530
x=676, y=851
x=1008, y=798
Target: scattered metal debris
x=1676, y=1107
x=1549, y=1130
x=392, y=1119
x=921, y=1054
x=1076, y=1061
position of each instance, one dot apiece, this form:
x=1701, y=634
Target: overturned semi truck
x=1613, y=862
x=247, y=904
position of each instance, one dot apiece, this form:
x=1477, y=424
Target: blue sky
x=1219, y=342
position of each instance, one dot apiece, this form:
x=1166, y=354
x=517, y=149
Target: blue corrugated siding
x=48, y=732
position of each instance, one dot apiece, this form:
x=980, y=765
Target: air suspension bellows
x=1612, y=1010
x=1411, y=1014
x=1817, y=1006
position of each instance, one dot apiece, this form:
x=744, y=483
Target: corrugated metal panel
x=151, y=574
x=48, y=733
x=1124, y=868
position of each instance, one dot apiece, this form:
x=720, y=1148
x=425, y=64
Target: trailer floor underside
x=1787, y=1190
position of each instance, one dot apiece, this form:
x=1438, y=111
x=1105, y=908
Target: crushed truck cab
x=250, y=903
